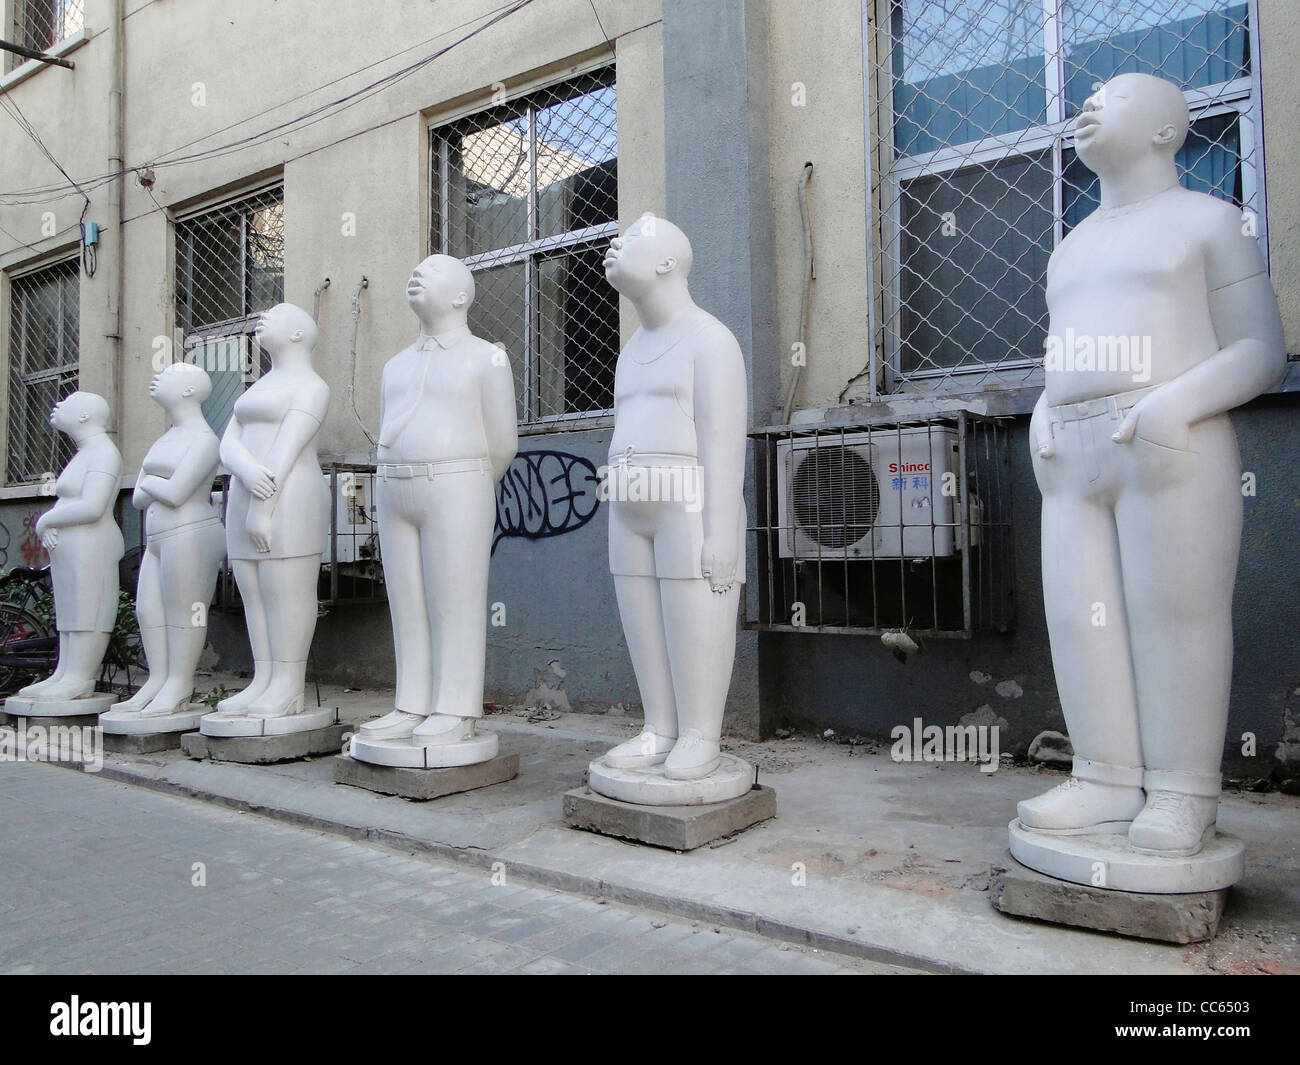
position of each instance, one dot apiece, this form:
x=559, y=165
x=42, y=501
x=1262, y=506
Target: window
x=229, y=268
x=43, y=367
x=527, y=194
x=976, y=176
x=41, y=24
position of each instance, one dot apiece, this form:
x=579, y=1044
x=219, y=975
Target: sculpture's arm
x=254, y=476
x=96, y=496
x=141, y=498
x=499, y=424
x=196, y=467
x=721, y=413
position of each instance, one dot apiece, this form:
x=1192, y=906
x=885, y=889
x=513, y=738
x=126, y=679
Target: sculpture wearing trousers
x=184, y=543
x=1141, y=479
x=447, y=435
x=85, y=547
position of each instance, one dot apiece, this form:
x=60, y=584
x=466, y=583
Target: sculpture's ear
x=189, y=390
x=296, y=335
x=1164, y=135
x=667, y=266
x=84, y=418
x=461, y=299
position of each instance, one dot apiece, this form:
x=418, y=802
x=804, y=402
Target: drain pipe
x=809, y=275
x=352, y=360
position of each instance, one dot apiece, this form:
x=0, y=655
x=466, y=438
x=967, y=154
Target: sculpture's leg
x=1086, y=622
x=456, y=545
x=640, y=608
x=1180, y=532
x=187, y=565
x=37, y=689
x=153, y=635
x=399, y=545
x=259, y=638
x=80, y=654
x=701, y=628
x=289, y=590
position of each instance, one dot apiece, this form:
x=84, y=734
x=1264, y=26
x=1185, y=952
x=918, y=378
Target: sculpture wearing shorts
x=277, y=522
x=676, y=524
x=85, y=547
x=1142, y=502
x=447, y=435
x=184, y=547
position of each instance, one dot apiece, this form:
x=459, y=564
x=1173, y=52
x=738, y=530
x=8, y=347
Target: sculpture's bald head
x=1131, y=116
x=440, y=286
x=180, y=381
x=80, y=409
x=652, y=251
x=285, y=324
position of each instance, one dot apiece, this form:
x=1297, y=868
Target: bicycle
x=29, y=641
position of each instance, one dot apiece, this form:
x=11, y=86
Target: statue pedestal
x=90, y=706
x=422, y=785
x=127, y=732
x=318, y=732
x=679, y=828
x=1191, y=917
x=649, y=787
x=403, y=754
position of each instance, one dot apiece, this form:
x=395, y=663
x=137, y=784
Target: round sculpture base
x=130, y=723
x=223, y=724
x=95, y=703
x=649, y=786
x=404, y=754
x=1105, y=859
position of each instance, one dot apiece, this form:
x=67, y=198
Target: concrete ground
x=877, y=860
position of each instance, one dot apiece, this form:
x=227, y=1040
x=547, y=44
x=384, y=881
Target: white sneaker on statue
x=1080, y=805
x=1174, y=825
x=394, y=725
x=692, y=757
x=647, y=749
x=442, y=728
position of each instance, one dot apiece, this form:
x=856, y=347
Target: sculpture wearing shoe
x=85, y=546
x=184, y=547
x=1142, y=502
x=447, y=434
x=277, y=521
x=676, y=551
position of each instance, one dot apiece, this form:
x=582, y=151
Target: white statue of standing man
x=447, y=435
x=85, y=547
x=676, y=552
x=1142, y=495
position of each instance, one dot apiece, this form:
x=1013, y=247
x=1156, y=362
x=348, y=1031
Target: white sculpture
x=184, y=547
x=1142, y=501
x=277, y=523
x=85, y=547
x=676, y=525
x=447, y=434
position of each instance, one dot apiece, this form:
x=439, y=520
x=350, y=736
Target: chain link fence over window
x=43, y=368
x=975, y=178
x=229, y=269
x=527, y=194
x=41, y=24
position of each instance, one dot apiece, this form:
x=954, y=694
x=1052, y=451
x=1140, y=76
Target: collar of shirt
x=445, y=340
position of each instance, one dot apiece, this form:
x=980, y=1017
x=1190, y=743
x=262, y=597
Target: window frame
x=12, y=11
x=1055, y=136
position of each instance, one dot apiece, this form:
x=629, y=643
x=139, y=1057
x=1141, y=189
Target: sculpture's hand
x=1040, y=436
x=49, y=539
x=260, y=481
x=1157, y=421
x=259, y=527
x=718, y=564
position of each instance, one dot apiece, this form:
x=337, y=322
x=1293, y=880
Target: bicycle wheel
x=27, y=647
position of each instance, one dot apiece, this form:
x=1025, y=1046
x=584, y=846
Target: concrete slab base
x=94, y=704
x=648, y=786
x=679, y=828
x=263, y=750
x=422, y=785
x=141, y=743
x=1106, y=860
x=1170, y=918
x=227, y=725
x=20, y=720
x=132, y=723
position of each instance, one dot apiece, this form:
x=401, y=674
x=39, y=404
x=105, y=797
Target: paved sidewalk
x=99, y=877
x=884, y=861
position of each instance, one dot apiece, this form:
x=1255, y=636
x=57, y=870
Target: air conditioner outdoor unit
x=858, y=496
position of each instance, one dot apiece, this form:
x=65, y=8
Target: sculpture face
x=1129, y=116
x=180, y=381
x=78, y=409
x=282, y=325
x=439, y=285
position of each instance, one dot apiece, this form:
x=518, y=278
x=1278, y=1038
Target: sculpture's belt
x=398, y=470
x=630, y=456
x=1115, y=406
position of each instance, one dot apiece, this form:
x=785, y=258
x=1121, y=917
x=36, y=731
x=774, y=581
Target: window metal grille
x=41, y=24
x=43, y=368
x=526, y=193
x=229, y=269
x=974, y=176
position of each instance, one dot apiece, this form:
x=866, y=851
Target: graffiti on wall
x=22, y=548
x=545, y=493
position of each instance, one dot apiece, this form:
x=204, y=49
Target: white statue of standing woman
x=85, y=547
x=183, y=550
x=277, y=523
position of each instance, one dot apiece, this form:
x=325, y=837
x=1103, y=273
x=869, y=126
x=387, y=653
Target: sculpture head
x=439, y=287
x=283, y=327
x=652, y=253
x=1129, y=119
x=178, y=383
x=80, y=413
